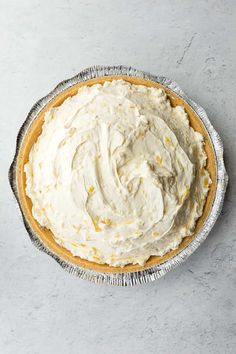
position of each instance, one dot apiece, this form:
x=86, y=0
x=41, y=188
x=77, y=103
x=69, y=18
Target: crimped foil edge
x=155, y=272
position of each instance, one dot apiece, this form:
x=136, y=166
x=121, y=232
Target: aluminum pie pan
x=156, y=271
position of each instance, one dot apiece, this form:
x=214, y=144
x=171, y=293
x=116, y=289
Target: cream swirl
x=115, y=174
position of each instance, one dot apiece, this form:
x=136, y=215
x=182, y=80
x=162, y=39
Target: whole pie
x=117, y=174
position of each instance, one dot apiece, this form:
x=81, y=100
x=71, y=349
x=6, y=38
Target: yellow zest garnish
x=96, y=259
x=82, y=245
x=206, y=182
x=140, y=134
x=72, y=131
x=130, y=186
x=107, y=222
x=167, y=139
x=95, y=224
x=62, y=143
x=158, y=160
x=184, y=195
x=155, y=233
x=94, y=249
x=91, y=189
x=74, y=244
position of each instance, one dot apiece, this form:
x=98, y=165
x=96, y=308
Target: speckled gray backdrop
x=42, y=308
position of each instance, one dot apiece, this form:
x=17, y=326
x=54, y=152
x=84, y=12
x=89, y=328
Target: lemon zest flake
x=168, y=140
x=74, y=244
x=130, y=186
x=185, y=194
x=107, y=222
x=158, y=160
x=94, y=250
x=95, y=224
x=91, y=189
x=140, y=134
x=206, y=182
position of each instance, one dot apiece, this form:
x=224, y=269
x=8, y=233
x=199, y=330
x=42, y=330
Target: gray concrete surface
x=42, y=308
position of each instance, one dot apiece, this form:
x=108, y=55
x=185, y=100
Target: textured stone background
x=42, y=308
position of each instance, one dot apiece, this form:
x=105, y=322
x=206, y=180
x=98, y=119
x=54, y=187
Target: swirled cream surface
x=117, y=174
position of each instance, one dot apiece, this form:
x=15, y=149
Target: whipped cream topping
x=117, y=174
